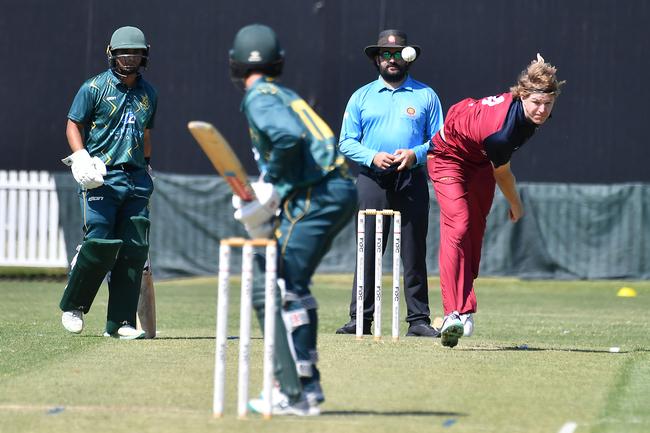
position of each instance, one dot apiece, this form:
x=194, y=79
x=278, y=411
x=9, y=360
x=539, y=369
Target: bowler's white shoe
x=280, y=405
x=452, y=329
x=468, y=324
x=126, y=332
x=73, y=321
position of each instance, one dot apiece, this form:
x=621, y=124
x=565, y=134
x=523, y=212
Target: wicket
x=245, y=323
x=361, y=246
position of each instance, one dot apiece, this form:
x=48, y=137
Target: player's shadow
x=232, y=337
x=183, y=338
x=423, y=413
x=524, y=348
x=158, y=337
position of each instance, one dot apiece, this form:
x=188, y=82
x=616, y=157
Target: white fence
x=30, y=234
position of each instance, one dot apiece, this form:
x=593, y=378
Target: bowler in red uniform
x=467, y=158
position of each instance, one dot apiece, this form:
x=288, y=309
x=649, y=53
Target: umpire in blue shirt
x=386, y=130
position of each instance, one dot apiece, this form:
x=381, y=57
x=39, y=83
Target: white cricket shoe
x=126, y=332
x=280, y=405
x=468, y=324
x=452, y=329
x=73, y=321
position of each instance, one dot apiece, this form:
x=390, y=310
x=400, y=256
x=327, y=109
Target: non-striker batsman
x=108, y=131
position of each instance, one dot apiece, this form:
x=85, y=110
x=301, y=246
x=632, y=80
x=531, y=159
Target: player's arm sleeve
x=284, y=131
x=352, y=134
x=153, y=97
x=433, y=124
x=498, y=151
x=83, y=105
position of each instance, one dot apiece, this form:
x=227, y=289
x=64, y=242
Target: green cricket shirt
x=115, y=118
x=293, y=146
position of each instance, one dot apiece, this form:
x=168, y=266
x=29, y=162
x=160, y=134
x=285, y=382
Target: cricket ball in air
x=409, y=54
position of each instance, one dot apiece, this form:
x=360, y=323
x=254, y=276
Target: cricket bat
x=146, y=315
x=223, y=158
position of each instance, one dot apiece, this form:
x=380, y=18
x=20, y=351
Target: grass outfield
x=538, y=360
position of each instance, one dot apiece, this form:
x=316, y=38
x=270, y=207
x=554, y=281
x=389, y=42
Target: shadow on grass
x=391, y=413
x=525, y=348
x=159, y=338
x=232, y=337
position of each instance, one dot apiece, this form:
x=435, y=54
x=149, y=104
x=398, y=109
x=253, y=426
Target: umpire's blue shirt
x=380, y=119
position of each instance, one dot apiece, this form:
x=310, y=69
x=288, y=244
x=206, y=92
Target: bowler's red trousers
x=464, y=192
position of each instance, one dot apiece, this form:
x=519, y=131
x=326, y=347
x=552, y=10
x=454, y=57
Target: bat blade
x=223, y=158
x=146, y=316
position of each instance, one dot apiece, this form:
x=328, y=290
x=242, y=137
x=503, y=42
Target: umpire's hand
x=405, y=158
x=383, y=160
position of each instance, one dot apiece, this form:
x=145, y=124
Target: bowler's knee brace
x=301, y=321
x=94, y=259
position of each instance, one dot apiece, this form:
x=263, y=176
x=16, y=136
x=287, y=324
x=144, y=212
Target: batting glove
x=88, y=172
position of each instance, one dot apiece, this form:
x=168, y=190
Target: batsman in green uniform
x=108, y=131
x=297, y=155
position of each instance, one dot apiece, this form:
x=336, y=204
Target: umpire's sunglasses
x=386, y=55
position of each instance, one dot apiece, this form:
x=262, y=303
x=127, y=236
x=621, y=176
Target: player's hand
x=258, y=216
x=88, y=172
x=405, y=158
x=265, y=194
x=383, y=160
x=515, y=212
x=262, y=231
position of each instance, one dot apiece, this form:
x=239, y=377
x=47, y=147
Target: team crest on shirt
x=144, y=102
x=410, y=111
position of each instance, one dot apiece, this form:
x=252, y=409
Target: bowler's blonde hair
x=538, y=77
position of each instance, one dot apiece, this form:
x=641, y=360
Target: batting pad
x=96, y=257
x=126, y=276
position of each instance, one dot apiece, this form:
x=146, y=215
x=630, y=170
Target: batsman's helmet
x=256, y=49
x=127, y=38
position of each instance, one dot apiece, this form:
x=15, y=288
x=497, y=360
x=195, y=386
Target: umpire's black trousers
x=408, y=193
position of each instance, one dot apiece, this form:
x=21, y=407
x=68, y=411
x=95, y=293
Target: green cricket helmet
x=127, y=51
x=256, y=48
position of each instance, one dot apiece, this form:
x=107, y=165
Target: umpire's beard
x=393, y=77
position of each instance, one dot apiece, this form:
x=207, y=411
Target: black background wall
x=470, y=48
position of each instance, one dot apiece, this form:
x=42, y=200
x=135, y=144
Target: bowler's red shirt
x=482, y=130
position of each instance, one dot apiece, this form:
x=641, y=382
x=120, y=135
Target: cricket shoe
x=452, y=329
x=73, y=321
x=280, y=405
x=468, y=324
x=422, y=330
x=351, y=327
x=126, y=332
x=313, y=392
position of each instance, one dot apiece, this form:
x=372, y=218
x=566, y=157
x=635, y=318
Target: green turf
x=539, y=359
